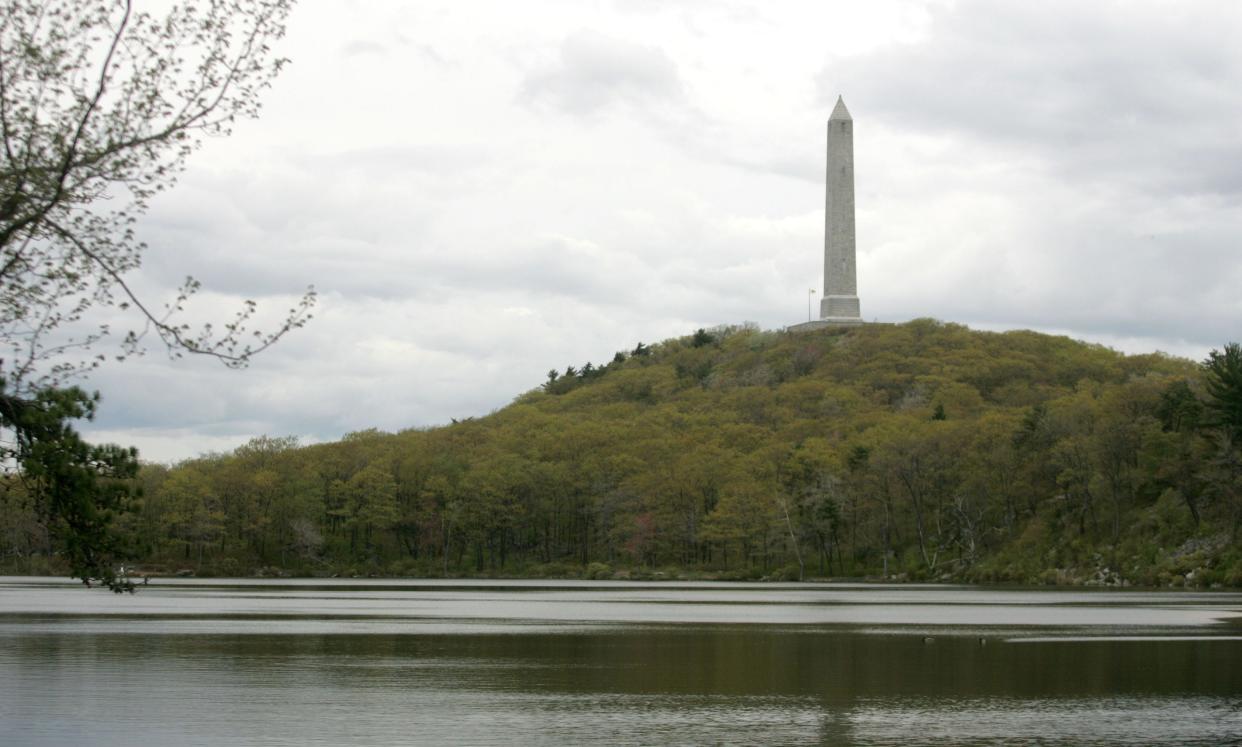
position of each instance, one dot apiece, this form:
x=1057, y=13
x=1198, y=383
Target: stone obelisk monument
x=840, y=301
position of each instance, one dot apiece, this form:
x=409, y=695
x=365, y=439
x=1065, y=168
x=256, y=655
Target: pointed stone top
x=839, y=111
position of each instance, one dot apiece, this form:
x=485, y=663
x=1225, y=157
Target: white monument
x=839, y=306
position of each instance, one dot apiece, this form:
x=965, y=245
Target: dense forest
x=923, y=450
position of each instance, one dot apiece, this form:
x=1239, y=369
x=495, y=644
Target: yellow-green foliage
x=922, y=449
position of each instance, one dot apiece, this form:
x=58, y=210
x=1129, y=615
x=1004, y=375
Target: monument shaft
x=840, y=300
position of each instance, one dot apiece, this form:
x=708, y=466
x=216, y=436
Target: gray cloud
x=1145, y=95
x=1078, y=167
x=595, y=72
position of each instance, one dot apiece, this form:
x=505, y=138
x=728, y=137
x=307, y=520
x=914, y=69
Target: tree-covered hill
x=922, y=450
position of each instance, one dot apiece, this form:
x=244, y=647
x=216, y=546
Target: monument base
x=839, y=307
x=831, y=321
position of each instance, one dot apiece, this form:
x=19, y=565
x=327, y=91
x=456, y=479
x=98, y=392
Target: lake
x=236, y=661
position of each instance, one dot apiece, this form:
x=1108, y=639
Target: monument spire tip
x=839, y=111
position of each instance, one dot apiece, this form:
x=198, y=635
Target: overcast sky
x=482, y=191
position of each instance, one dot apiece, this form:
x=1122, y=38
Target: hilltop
x=922, y=450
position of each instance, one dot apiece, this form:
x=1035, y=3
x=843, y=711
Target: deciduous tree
x=100, y=105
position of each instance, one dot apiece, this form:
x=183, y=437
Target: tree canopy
x=923, y=450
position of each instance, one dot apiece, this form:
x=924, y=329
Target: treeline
x=922, y=450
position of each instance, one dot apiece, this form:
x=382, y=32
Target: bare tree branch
x=100, y=106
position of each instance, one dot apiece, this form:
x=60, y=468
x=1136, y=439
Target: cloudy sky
x=482, y=191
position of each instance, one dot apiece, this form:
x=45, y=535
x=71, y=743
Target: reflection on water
x=430, y=663
x=1096, y=721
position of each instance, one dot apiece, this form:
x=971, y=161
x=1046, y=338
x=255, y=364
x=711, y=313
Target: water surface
x=517, y=662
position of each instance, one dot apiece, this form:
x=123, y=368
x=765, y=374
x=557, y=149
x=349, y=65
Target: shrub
x=598, y=571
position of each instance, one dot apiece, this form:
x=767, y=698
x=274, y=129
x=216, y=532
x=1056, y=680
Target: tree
x=99, y=108
x=76, y=488
x=1223, y=382
x=1223, y=477
x=194, y=517
x=1179, y=409
x=744, y=514
x=372, y=495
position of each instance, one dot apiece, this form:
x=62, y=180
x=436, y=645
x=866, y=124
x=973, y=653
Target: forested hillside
x=922, y=450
